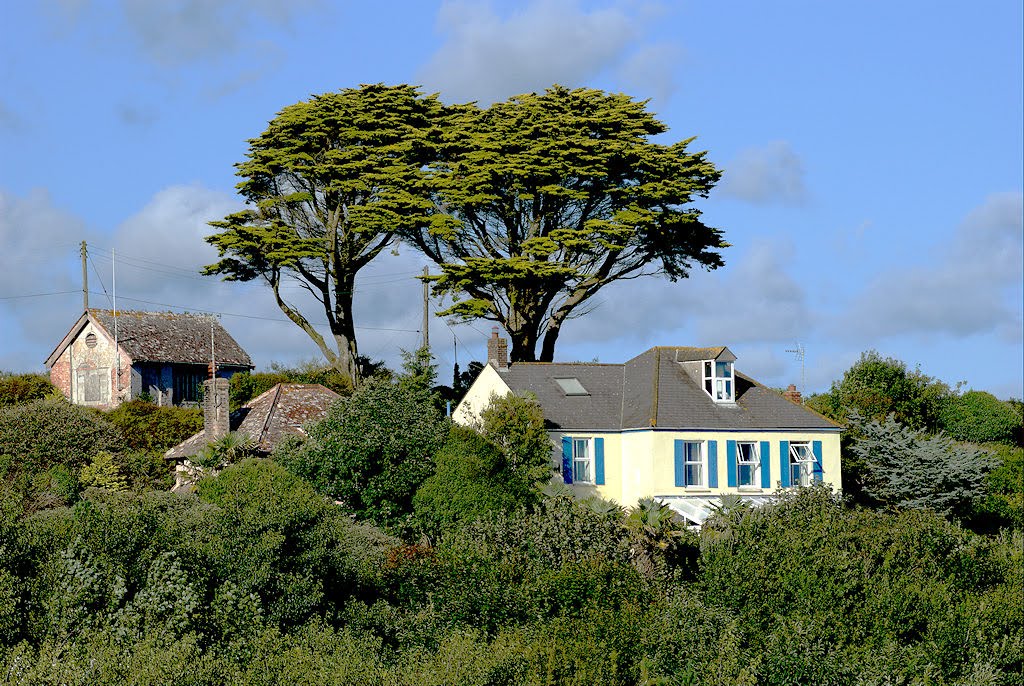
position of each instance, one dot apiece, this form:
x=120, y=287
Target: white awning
x=696, y=509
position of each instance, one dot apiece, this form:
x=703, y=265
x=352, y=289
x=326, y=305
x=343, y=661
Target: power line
x=253, y=316
x=35, y=295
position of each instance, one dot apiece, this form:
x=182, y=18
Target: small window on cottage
x=748, y=464
x=801, y=464
x=582, y=461
x=90, y=340
x=571, y=386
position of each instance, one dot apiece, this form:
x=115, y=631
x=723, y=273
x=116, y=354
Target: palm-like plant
x=225, y=450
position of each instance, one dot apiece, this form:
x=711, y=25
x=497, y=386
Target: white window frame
x=720, y=380
x=700, y=463
x=583, y=455
x=752, y=460
x=801, y=458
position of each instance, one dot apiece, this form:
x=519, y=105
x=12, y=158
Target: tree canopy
x=544, y=199
x=326, y=187
x=877, y=386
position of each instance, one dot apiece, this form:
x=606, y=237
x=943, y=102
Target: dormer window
x=718, y=380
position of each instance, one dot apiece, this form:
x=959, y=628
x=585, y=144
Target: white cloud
x=649, y=71
x=765, y=175
x=176, y=32
x=971, y=285
x=756, y=300
x=488, y=57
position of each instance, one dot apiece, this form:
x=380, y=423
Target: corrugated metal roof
x=172, y=337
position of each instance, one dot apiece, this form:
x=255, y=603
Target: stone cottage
x=107, y=358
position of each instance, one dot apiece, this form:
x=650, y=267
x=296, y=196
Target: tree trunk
x=344, y=331
x=547, y=351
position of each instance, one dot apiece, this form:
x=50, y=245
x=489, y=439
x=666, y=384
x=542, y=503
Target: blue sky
x=872, y=154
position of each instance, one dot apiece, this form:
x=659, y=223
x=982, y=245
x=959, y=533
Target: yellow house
x=678, y=424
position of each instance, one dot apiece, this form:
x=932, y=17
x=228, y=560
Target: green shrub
x=102, y=472
x=907, y=468
x=516, y=425
x=22, y=388
x=245, y=386
x=147, y=427
x=373, y=450
x=472, y=477
x=276, y=537
x=979, y=417
x=43, y=433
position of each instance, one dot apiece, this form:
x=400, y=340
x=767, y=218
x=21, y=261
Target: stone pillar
x=216, y=421
x=497, y=350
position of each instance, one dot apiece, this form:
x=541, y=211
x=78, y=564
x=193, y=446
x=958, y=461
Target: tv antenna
x=801, y=354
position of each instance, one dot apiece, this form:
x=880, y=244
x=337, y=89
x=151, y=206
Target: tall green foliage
x=546, y=198
x=326, y=186
x=472, y=478
x=516, y=425
x=877, y=386
x=373, y=449
x=147, y=427
x=979, y=417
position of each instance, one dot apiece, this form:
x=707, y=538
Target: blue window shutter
x=599, y=461
x=712, y=464
x=784, y=463
x=680, y=469
x=730, y=459
x=566, y=459
x=766, y=464
x=818, y=471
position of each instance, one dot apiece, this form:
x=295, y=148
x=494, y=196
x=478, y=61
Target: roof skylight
x=571, y=386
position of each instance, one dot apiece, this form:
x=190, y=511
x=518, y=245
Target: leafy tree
x=546, y=198
x=516, y=425
x=372, y=450
x=979, y=417
x=907, y=468
x=327, y=186
x=876, y=387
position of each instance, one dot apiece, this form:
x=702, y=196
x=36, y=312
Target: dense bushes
x=979, y=417
x=147, y=427
x=373, y=450
x=22, y=388
x=45, y=433
x=259, y=580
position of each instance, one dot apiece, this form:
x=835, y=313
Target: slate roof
x=172, y=337
x=653, y=390
x=270, y=417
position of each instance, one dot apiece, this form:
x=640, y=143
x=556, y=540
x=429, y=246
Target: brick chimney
x=792, y=395
x=497, y=351
x=215, y=409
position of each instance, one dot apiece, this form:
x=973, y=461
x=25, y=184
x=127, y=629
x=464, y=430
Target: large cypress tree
x=546, y=198
x=326, y=187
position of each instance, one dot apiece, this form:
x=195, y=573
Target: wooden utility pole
x=426, y=309
x=85, y=278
